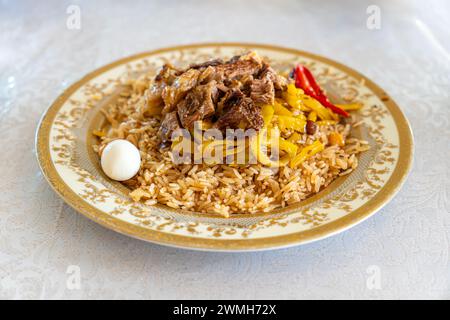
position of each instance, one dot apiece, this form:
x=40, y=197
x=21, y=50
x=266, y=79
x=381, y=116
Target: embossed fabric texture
x=401, y=252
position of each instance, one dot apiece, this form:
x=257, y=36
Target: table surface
x=401, y=252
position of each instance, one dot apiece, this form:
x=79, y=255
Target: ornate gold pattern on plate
x=64, y=146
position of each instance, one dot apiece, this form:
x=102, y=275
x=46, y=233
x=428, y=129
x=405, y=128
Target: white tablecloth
x=401, y=252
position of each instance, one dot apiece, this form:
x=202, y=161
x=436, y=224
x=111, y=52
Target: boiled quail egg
x=120, y=160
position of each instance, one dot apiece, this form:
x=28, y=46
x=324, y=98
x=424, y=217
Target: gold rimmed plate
x=64, y=150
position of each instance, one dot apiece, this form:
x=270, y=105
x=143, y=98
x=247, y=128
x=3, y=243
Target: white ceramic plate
x=65, y=155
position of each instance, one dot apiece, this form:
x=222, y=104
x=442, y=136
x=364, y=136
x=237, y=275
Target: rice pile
x=222, y=189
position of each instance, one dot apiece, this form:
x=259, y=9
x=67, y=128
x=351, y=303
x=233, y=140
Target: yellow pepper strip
x=293, y=90
x=350, y=107
x=295, y=137
x=98, y=133
x=300, y=116
x=305, y=153
x=336, y=138
x=335, y=116
x=267, y=114
x=293, y=96
x=256, y=147
x=326, y=122
x=231, y=150
x=289, y=147
x=210, y=146
x=312, y=116
x=258, y=144
x=281, y=110
x=322, y=112
x=293, y=123
x=284, y=161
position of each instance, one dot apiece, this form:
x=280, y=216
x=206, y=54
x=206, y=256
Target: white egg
x=120, y=160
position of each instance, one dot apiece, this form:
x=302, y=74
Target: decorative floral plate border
x=64, y=151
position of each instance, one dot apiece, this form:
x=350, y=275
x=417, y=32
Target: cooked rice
x=223, y=189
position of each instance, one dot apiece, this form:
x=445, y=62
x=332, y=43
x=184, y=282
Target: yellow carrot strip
x=292, y=123
x=98, y=133
x=258, y=143
x=322, y=112
x=281, y=110
x=333, y=115
x=294, y=137
x=289, y=147
x=350, y=107
x=312, y=116
x=306, y=152
x=267, y=114
x=284, y=161
x=293, y=96
x=293, y=90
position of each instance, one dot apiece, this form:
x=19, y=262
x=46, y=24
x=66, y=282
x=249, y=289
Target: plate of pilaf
x=225, y=146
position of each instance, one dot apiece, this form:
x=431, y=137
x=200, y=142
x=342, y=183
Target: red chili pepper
x=305, y=81
x=301, y=81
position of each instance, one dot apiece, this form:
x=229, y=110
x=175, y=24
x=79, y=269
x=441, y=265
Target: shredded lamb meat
x=198, y=104
x=237, y=109
x=262, y=91
x=229, y=94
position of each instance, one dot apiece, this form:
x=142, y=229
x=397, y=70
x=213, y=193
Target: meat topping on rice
x=198, y=104
x=206, y=64
x=164, y=78
x=179, y=88
x=225, y=93
x=239, y=109
x=262, y=91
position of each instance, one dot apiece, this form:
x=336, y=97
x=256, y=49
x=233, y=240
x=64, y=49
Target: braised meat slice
x=240, y=66
x=229, y=72
x=208, y=74
x=177, y=90
x=198, y=104
x=167, y=74
x=239, y=109
x=165, y=77
x=206, y=64
x=262, y=91
x=169, y=124
x=268, y=73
